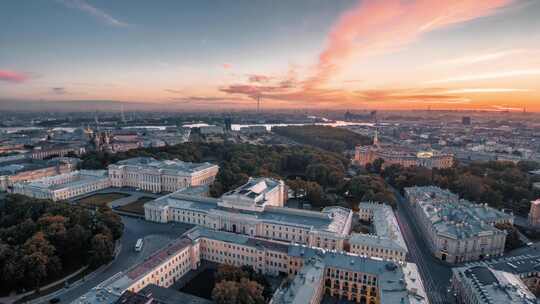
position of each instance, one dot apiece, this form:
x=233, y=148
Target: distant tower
x=376, y=138
x=123, y=117
x=258, y=103
x=96, y=120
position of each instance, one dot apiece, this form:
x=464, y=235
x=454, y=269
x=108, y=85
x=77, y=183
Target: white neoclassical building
x=149, y=174
x=256, y=209
x=456, y=229
x=64, y=186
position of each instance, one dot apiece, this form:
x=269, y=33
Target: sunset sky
x=354, y=54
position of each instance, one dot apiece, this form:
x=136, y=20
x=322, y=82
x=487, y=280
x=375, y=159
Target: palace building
x=149, y=174
x=394, y=155
x=314, y=271
x=456, y=229
x=256, y=209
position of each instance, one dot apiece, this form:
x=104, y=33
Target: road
x=435, y=274
x=155, y=237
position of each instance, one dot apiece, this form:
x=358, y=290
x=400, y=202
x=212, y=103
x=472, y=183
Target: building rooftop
x=332, y=219
x=454, y=217
x=157, y=259
x=67, y=180
x=397, y=283
x=173, y=166
x=492, y=286
x=387, y=231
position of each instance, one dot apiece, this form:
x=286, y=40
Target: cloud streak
x=375, y=27
x=481, y=58
x=12, y=76
x=486, y=90
x=95, y=12
x=488, y=76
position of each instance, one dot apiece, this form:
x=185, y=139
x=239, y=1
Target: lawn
x=136, y=206
x=101, y=199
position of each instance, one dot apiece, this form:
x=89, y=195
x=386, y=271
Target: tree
x=314, y=193
x=35, y=265
x=225, y=292
x=512, y=237
x=243, y=292
x=102, y=250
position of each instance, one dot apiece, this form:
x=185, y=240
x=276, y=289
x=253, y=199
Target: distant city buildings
x=455, y=229
x=393, y=155
x=151, y=175
x=64, y=186
x=506, y=280
x=534, y=214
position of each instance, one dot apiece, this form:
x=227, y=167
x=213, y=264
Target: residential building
x=64, y=186
x=149, y=174
x=456, y=229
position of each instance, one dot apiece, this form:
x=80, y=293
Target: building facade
x=312, y=271
x=149, y=174
x=457, y=230
x=64, y=186
x=58, y=150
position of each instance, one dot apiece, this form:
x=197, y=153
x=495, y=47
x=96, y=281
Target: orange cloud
x=374, y=27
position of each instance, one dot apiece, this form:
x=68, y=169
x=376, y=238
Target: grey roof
x=166, y=165
x=499, y=281
x=454, y=217
x=387, y=232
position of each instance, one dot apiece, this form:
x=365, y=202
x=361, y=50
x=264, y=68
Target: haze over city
x=208, y=55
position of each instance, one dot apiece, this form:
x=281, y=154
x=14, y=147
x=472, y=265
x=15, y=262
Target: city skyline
x=307, y=54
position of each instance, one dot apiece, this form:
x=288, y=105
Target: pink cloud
x=227, y=66
x=11, y=76
x=375, y=27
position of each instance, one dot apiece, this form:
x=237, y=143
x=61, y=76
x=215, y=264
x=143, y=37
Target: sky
x=301, y=54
